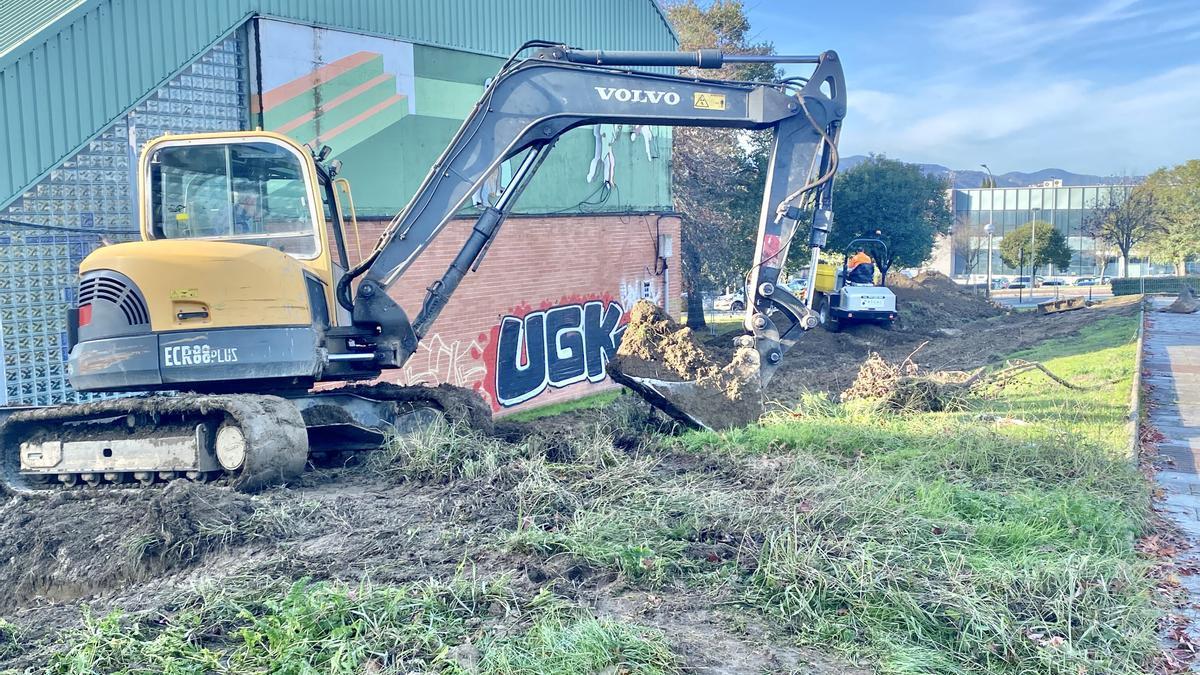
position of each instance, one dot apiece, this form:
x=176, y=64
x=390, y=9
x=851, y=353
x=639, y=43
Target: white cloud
x=1009, y=31
x=1081, y=125
x=1004, y=86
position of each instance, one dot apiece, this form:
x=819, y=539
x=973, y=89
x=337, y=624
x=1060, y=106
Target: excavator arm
x=532, y=102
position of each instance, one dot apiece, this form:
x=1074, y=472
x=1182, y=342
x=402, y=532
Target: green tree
x=717, y=174
x=893, y=201
x=1124, y=218
x=1176, y=198
x=1050, y=247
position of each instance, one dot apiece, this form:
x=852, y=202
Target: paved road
x=1171, y=368
x=1025, y=300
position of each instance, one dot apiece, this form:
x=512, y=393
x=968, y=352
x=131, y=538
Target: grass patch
x=444, y=451
x=993, y=539
x=304, y=627
x=591, y=402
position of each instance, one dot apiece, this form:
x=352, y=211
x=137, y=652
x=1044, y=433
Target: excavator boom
x=532, y=102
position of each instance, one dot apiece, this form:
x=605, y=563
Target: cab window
x=248, y=192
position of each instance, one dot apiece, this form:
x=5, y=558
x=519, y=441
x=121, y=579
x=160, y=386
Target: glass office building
x=1066, y=207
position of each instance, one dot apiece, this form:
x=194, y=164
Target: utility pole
x=990, y=227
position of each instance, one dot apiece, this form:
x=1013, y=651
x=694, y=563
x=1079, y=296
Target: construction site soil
x=137, y=550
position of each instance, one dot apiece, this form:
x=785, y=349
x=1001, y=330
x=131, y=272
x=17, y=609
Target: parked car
x=730, y=302
x=796, y=285
x=1085, y=281
x=999, y=283
x=1054, y=281
x=1023, y=282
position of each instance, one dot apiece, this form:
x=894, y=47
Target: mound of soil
x=931, y=302
x=1186, y=303
x=696, y=383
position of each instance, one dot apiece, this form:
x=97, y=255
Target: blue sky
x=1103, y=87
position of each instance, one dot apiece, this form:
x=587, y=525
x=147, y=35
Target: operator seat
x=863, y=274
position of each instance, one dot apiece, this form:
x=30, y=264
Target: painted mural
x=327, y=87
x=387, y=108
x=552, y=347
x=531, y=350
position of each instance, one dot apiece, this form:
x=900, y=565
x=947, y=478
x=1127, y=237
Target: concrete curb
x=1135, y=397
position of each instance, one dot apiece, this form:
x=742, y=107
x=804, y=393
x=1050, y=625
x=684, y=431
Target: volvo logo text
x=637, y=95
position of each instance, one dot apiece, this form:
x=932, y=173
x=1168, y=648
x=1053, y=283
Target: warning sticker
x=705, y=101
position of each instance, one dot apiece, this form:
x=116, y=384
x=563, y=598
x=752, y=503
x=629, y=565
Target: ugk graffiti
x=554, y=347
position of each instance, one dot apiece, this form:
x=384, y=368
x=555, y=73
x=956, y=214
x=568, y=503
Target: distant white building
x=963, y=254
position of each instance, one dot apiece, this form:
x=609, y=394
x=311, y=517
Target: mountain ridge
x=968, y=178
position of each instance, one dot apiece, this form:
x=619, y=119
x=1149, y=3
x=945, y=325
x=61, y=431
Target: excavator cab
x=232, y=286
x=256, y=188
x=246, y=191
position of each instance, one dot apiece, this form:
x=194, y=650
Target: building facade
x=963, y=254
x=84, y=84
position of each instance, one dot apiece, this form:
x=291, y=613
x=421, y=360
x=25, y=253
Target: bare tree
x=1104, y=253
x=967, y=242
x=1123, y=217
x=717, y=174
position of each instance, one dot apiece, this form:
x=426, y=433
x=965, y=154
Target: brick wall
x=536, y=322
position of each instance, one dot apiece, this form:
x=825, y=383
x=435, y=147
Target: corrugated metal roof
x=20, y=19
x=80, y=67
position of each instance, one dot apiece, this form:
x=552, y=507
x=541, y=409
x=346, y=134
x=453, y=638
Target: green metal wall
x=65, y=83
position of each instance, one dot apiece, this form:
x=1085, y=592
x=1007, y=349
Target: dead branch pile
x=902, y=387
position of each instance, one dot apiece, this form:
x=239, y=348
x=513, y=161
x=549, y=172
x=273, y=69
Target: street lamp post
x=1021, y=273
x=988, y=228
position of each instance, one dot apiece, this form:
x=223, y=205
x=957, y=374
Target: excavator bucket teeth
x=666, y=365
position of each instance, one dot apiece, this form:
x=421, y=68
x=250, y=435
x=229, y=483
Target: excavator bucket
x=701, y=386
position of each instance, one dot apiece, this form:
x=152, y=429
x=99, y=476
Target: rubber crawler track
x=273, y=427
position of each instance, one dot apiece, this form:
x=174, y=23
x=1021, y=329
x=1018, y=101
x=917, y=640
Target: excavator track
x=252, y=440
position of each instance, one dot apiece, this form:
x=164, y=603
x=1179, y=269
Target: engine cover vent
x=114, y=288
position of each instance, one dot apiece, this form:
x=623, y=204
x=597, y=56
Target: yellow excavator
x=240, y=295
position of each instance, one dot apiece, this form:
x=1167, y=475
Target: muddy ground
x=138, y=549
x=948, y=329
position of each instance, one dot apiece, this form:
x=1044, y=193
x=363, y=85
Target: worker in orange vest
x=860, y=269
